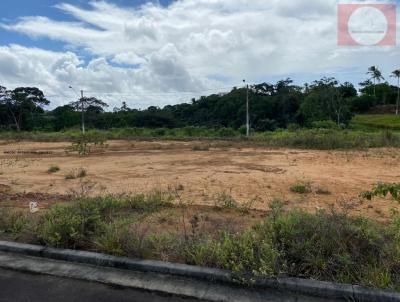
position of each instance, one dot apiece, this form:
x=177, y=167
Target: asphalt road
x=26, y=287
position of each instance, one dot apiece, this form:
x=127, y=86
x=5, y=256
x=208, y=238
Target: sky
x=154, y=53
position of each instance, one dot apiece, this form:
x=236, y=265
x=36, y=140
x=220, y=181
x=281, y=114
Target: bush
x=84, y=143
x=114, y=239
x=323, y=191
x=225, y=200
x=53, y=169
x=70, y=226
x=250, y=252
x=13, y=222
x=73, y=174
x=329, y=124
x=81, y=173
x=149, y=202
x=334, y=247
x=382, y=190
x=201, y=148
x=301, y=188
x=361, y=104
x=227, y=132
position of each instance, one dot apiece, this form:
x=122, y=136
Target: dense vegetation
x=319, y=138
x=272, y=106
x=325, y=245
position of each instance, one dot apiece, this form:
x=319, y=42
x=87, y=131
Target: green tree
x=396, y=74
x=65, y=117
x=327, y=101
x=22, y=103
x=376, y=75
x=84, y=103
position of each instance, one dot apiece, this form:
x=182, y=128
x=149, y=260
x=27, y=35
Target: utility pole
x=247, y=110
x=82, y=108
x=83, y=113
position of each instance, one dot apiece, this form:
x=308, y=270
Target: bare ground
x=253, y=174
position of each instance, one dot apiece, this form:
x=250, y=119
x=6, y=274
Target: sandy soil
x=247, y=173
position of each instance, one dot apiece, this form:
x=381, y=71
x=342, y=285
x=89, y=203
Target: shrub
x=114, y=239
x=149, y=202
x=81, y=173
x=322, y=191
x=383, y=189
x=301, y=188
x=329, y=124
x=227, y=132
x=84, y=143
x=243, y=130
x=69, y=226
x=53, y=169
x=332, y=246
x=201, y=148
x=13, y=222
x=124, y=238
x=70, y=175
x=73, y=174
x=361, y=104
x=250, y=252
x=225, y=200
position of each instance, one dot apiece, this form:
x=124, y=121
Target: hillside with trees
x=272, y=106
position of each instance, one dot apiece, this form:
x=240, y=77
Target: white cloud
x=150, y=50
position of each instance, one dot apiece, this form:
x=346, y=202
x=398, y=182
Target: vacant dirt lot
x=247, y=173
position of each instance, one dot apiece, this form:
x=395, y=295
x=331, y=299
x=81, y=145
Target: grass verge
x=325, y=245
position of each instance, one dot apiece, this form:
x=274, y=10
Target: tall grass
x=325, y=245
x=376, y=121
x=323, y=139
x=328, y=139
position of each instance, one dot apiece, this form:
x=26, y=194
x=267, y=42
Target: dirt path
x=248, y=174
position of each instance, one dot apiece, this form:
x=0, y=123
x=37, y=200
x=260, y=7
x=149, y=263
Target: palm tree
x=396, y=74
x=376, y=75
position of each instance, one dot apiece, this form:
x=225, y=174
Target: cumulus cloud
x=157, y=55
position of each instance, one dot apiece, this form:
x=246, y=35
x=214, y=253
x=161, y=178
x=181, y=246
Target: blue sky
x=167, y=52
x=11, y=10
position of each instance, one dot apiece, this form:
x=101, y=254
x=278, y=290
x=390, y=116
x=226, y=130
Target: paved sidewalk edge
x=295, y=285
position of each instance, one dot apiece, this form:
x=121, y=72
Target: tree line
x=272, y=106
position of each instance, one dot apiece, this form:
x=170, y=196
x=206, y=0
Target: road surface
x=26, y=287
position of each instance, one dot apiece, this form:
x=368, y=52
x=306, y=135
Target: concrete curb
x=298, y=286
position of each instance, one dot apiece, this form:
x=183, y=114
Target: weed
x=322, y=191
x=53, y=169
x=13, y=222
x=383, y=189
x=149, y=202
x=201, y=148
x=301, y=188
x=114, y=238
x=85, y=143
x=81, y=173
x=249, y=252
x=325, y=245
x=225, y=201
x=73, y=174
x=70, y=175
x=69, y=226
